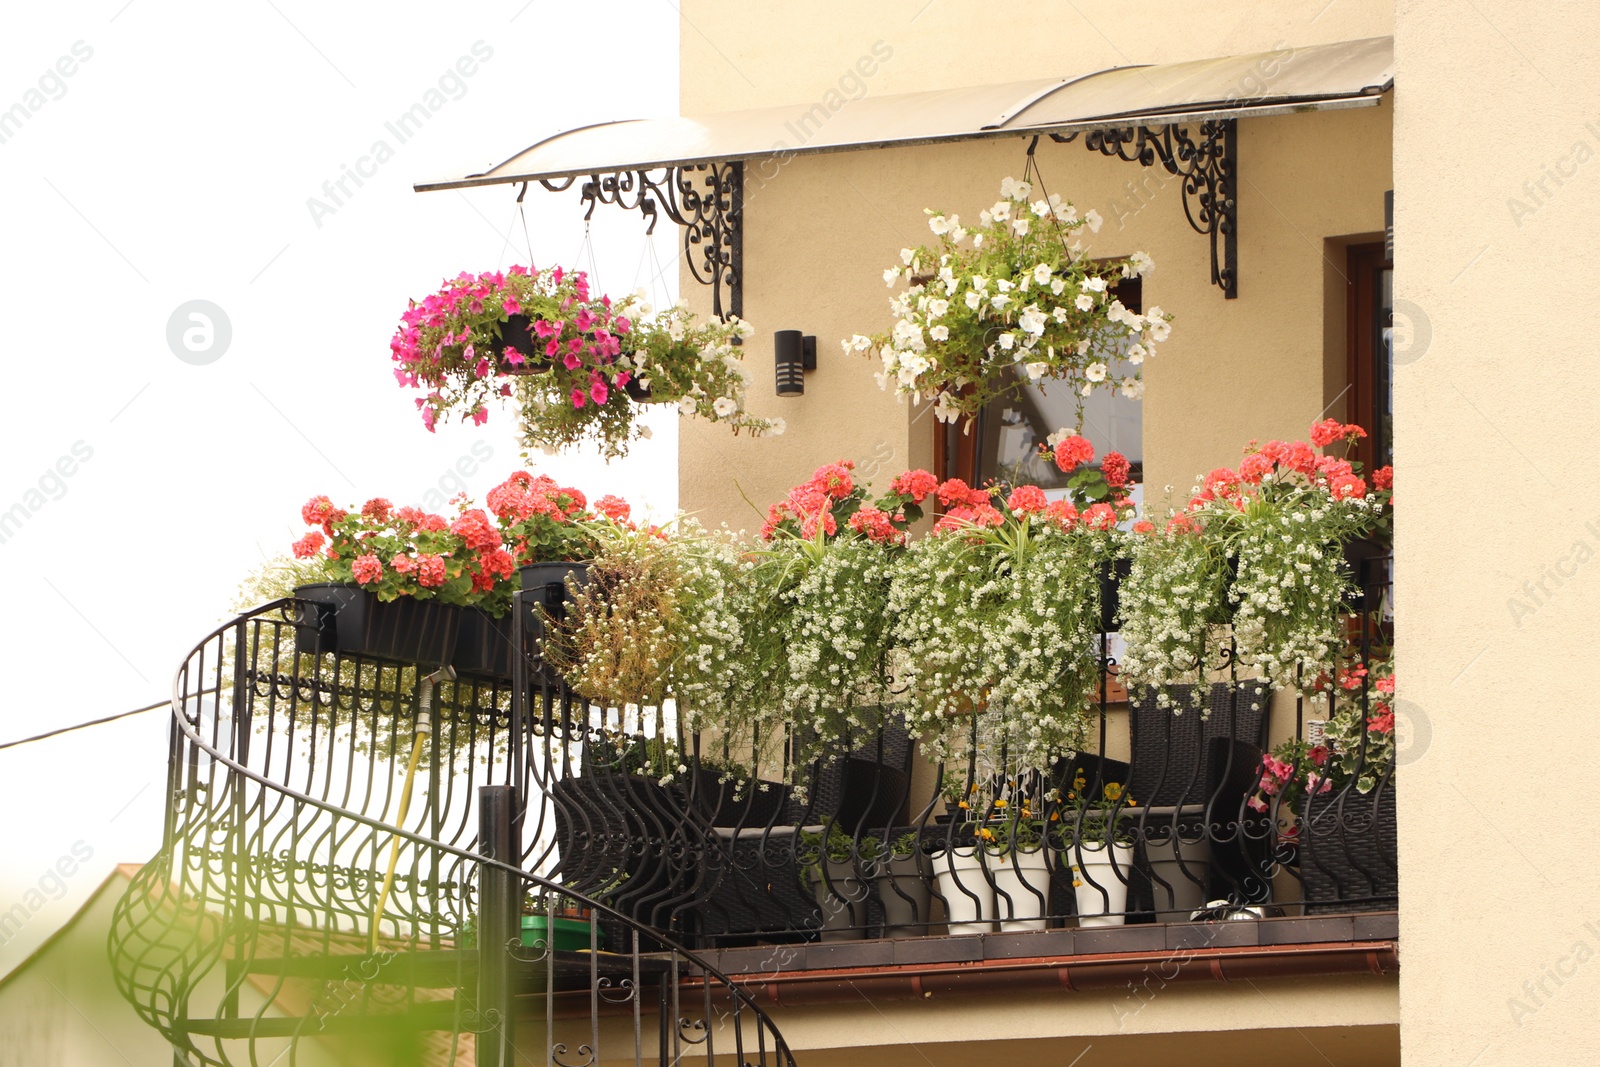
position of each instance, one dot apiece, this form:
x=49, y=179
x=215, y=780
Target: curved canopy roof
x=1345, y=74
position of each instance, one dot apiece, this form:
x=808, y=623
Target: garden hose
x=424, y=729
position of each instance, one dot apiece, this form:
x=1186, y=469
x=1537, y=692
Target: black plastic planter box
x=545, y=595
x=486, y=646
x=349, y=621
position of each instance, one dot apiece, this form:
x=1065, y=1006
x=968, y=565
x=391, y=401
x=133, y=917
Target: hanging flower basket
x=1017, y=290
x=575, y=363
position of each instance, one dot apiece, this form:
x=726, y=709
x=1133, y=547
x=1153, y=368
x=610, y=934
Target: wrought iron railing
x=361, y=853
x=302, y=911
x=1168, y=815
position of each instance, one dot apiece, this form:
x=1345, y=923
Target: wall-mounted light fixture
x=795, y=354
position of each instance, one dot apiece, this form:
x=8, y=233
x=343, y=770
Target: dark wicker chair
x=1349, y=851
x=755, y=888
x=1191, y=773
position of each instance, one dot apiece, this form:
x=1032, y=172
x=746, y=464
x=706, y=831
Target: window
x=1004, y=443
x=1371, y=329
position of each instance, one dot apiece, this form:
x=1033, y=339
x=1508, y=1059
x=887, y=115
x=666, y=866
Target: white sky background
x=176, y=166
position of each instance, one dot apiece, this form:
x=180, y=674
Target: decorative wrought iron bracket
x=1205, y=162
x=706, y=199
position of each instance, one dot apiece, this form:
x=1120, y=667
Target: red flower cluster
x=810, y=505
x=1276, y=459
x=877, y=526
x=914, y=484
x=471, y=559
x=1328, y=431
x=614, y=508
x=1074, y=452
x=1027, y=499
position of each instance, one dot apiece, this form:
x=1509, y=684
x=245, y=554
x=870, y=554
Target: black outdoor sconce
x=795, y=353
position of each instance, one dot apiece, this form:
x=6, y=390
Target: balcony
x=478, y=850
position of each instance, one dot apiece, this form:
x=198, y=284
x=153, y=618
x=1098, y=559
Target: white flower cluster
x=1001, y=652
x=1020, y=292
x=837, y=643
x=1171, y=604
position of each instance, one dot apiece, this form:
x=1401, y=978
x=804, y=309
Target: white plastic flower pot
x=1024, y=877
x=1098, y=882
x=968, y=897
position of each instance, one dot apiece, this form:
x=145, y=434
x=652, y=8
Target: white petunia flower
x=1001, y=212
x=1036, y=371
x=1136, y=354
x=1095, y=372
x=777, y=427
x=937, y=308
x=958, y=234
x=1132, y=388
x=725, y=406
x=1032, y=320
x=1092, y=219
x=1040, y=208
x=999, y=300
x=973, y=299
x=1058, y=286
x=1142, y=263
x=687, y=406
x=1083, y=301
x=906, y=256
x=939, y=225
x=890, y=276
x=1094, y=285
x=1006, y=341
x=1004, y=285
x=1041, y=273
x=1020, y=227
x=977, y=240
x=939, y=333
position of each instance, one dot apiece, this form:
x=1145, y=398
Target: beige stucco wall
x=1497, y=418
x=819, y=230
x=1350, y=1020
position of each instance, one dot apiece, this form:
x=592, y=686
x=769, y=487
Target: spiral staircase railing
x=304, y=909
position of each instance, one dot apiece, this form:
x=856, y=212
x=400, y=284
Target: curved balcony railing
x=344, y=877
x=359, y=850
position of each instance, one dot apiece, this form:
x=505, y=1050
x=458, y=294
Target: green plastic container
x=571, y=935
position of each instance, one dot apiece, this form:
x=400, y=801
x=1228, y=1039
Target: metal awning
x=1142, y=107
